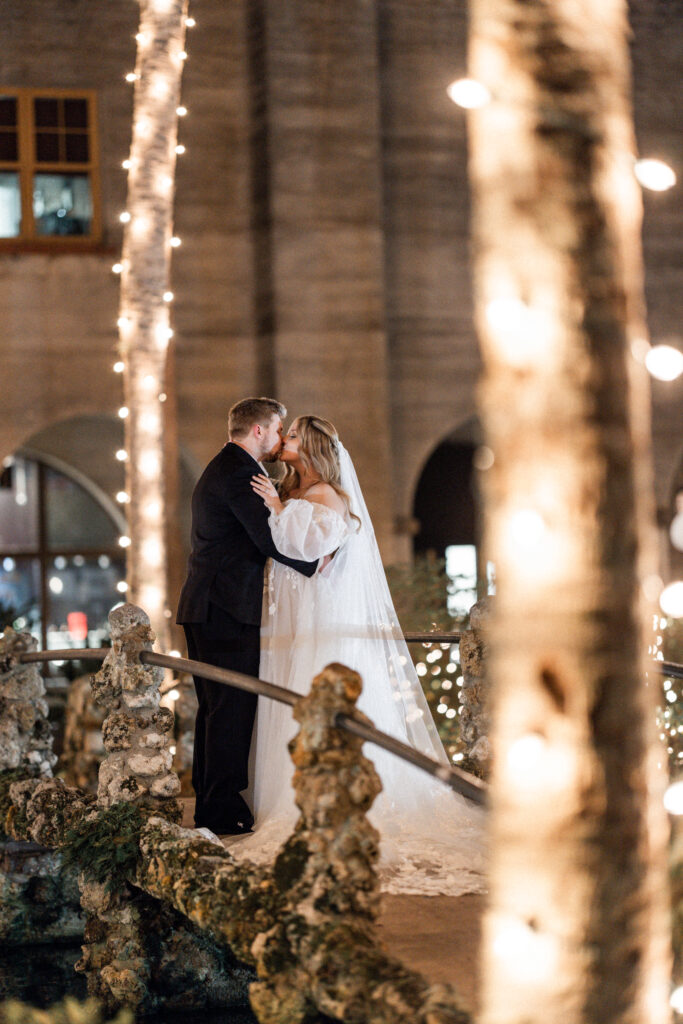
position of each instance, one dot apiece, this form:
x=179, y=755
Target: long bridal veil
x=431, y=839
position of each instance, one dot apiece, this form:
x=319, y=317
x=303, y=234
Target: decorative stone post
x=25, y=734
x=322, y=954
x=475, y=719
x=137, y=733
x=137, y=769
x=37, y=904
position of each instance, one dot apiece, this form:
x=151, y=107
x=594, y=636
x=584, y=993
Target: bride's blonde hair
x=319, y=451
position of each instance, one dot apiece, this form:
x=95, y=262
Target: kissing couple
x=281, y=582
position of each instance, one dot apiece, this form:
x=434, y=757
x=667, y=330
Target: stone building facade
x=322, y=204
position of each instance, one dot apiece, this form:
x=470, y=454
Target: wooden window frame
x=26, y=167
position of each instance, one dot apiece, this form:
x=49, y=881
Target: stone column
x=322, y=954
x=25, y=734
x=475, y=715
x=137, y=769
x=36, y=905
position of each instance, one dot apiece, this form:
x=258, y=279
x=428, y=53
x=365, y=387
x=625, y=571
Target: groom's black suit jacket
x=231, y=541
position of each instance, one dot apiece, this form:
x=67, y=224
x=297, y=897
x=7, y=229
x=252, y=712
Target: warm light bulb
x=664, y=362
x=468, y=93
x=173, y=695
x=119, y=367
x=190, y=22
x=123, y=412
x=181, y=111
x=124, y=542
x=149, y=382
x=655, y=175
x=149, y=463
x=122, y=455
x=122, y=586
x=117, y=268
x=124, y=217
x=131, y=77
x=671, y=600
x=673, y=798
x=676, y=999
x=123, y=322
x=168, y=296
x=175, y=241
x=523, y=334
x=182, y=55
x=122, y=497
x=180, y=149
x=527, y=955
x=127, y=164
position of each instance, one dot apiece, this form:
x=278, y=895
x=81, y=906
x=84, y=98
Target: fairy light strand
x=145, y=297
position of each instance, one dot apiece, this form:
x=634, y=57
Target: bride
x=431, y=839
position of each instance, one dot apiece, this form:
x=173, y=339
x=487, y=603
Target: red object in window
x=77, y=623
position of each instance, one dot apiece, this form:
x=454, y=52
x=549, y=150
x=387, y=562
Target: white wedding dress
x=432, y=841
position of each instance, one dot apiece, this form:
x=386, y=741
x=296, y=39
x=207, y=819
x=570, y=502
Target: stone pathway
x=435, y=935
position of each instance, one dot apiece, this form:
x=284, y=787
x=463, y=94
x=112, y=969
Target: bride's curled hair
x=319, y=451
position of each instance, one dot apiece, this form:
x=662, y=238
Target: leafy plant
x=106, y=846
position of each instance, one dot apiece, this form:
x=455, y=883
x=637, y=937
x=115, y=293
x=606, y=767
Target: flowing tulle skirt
x=432, y=841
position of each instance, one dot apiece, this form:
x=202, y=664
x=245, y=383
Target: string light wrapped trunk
x=144, y=331
x=577, y=927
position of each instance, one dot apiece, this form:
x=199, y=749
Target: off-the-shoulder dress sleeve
x=307, y=530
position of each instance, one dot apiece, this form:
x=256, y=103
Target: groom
x=220, y=607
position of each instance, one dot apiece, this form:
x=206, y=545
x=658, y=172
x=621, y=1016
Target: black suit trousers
x=225, y=719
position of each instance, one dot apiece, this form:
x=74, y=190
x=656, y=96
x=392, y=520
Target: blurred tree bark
x=577, y=929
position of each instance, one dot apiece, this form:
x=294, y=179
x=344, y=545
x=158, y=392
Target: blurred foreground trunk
x=577, y=929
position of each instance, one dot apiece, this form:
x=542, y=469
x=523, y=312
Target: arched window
x=61, y=567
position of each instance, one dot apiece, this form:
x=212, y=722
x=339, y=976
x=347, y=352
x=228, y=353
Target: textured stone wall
x=322, y=203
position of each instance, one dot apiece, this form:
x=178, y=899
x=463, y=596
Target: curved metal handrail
x=461, y=782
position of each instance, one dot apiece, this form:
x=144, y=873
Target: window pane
x=19, y=507
x=20, y=594
x=76, y=113
x=10, y=205
x=62, y=204
x=8, y=146
x=46, y=113
x=77, y=149
x=8, y=110
x=74, y=519
x=81, y=593
x=461, y=566
x=47, y=147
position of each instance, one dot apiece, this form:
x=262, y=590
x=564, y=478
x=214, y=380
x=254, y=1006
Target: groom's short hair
x=250, y=411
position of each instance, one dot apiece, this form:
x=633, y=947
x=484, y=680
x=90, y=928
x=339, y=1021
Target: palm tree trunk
x=144, y=333
x=577, y=928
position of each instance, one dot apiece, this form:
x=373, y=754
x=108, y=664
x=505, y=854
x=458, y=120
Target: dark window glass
x=20, y=594
x=8, y=110
x=47, y=147
x=19, y=508
x=46, y=113
x=81, y=593
x=8, y=146
x=76, y=113
x=77, y=150
x=74, y=519
x=62, y=204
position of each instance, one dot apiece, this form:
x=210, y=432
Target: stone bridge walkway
x=435, y=935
